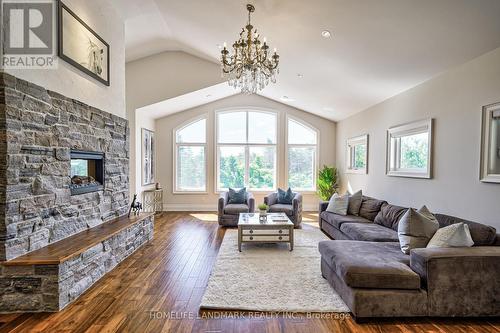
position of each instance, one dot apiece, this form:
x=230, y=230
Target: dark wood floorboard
x=159, y=289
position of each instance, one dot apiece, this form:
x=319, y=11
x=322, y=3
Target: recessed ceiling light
x=326, y=34
x=208, y=95
x=286, y=98
x=300, y=76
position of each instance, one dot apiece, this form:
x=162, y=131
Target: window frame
x=350, y=151
x=247, y=145
x=177, y=145
x=316, y=146
x=394, y=152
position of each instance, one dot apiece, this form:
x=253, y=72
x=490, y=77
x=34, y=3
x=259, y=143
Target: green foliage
x=261, y=174
x=327, y=182
x=414, y=152
x=263, y=207
x=360, y=156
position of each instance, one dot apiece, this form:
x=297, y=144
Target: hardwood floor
x=159, y=289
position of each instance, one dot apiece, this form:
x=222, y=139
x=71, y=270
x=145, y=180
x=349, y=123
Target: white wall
x=208, y=202
x=154, y=79
x=102, y=17
x=454, y=99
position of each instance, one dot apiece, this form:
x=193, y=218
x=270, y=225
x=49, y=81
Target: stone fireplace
x=87, y=172
x=64, y=169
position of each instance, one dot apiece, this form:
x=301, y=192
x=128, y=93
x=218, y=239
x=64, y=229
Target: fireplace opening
x=87, y=172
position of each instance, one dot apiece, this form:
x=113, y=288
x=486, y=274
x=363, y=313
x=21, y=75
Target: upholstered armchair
x=230, y=213
x=293, y=211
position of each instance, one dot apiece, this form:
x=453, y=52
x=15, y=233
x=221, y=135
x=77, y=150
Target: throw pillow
x=455, y=235
x=237, y=197
x=285, y=197
x=355, y=203
x=338, y=204
x=416, y=228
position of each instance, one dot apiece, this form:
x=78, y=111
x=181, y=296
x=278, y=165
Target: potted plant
x=263, y=211
x=327, y=182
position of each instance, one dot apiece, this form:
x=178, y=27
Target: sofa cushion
x=338, y=204
x=369, y=264
x=416, y=228
x=354, y=203
x=389, y=216
x=237, y=196
x=337, y=220
x=455, y=235
x=369, y=232
x=281, y=208
x=370, y=207
x=481, y=234
x=235, y=209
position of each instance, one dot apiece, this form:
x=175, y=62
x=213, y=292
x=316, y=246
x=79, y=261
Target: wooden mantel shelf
x=72, y=246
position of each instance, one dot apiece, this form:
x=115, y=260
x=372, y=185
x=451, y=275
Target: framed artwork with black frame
x=81, y=46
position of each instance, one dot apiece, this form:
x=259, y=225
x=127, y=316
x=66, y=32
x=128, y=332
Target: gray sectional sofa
x=365, y=265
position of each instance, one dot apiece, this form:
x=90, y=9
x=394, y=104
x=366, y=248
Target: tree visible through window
x=246, y=144
x=357, y=154
x=302, y=146
x=190, y=157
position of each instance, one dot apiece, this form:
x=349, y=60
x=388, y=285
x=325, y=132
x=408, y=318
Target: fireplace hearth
x=87, y=172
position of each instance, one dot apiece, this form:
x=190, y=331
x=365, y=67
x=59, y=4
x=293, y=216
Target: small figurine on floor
x=135, y=207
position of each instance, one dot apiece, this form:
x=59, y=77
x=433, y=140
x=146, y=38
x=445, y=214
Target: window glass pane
x=79, y=168
x=261, y=127
x=359, y=156
x=192, y=133
x=414, y=151
x=300, y=134
x=231, y=167
x=262, y=167
x=232, y=127
x=301, y=163
x=191, y=168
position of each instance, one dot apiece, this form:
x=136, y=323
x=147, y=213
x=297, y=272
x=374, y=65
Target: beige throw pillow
x=338, y=204
x=416, y=228
x=355, y=203
x=455, y=235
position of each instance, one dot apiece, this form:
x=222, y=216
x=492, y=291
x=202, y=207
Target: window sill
x=190, y=192
x=409, y=174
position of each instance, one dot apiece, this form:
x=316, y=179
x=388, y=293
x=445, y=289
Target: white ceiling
x=378, y=48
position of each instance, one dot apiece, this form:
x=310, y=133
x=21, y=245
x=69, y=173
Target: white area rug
x=268, y=277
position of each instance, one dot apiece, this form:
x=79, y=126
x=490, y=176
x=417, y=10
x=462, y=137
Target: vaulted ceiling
x=378, y=48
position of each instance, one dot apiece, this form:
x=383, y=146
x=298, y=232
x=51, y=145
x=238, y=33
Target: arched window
x=190, y=157
x=246, y=150
x=302, y=155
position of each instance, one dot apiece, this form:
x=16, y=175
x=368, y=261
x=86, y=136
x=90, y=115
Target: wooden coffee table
x=276, y=229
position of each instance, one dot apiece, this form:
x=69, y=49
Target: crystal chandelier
x=250, y=67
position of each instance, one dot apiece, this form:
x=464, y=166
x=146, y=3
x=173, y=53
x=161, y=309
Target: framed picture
x=490, y=144
x=357, y=154
x=81, y=46
x=148, y=162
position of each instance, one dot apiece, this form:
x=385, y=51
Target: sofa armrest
x=459, y=281
x=297, y=208
x=222, y=203
x=250, y=202
x=321, y=209
x=271, y=199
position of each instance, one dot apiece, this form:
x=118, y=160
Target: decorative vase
x=263, y=215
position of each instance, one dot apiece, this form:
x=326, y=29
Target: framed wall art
x=148, y=162
x=81, y=46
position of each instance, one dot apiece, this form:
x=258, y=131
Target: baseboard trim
x=187, y=207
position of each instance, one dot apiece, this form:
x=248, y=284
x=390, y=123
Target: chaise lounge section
x=366, y=266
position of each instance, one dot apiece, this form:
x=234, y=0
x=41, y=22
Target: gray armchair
x=230, y=213
x=293, y=211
